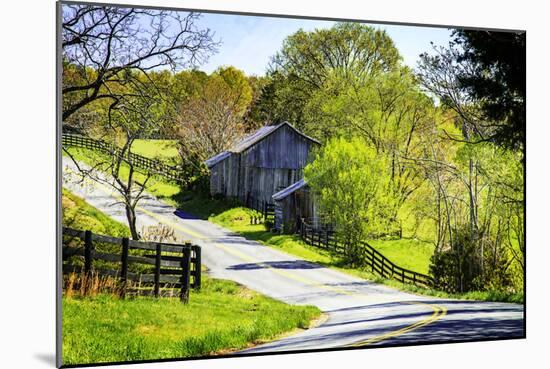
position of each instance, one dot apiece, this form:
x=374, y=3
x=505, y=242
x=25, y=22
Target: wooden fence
x=266, y=209
x=153, y=166
x=326, y=238
x=178, y=266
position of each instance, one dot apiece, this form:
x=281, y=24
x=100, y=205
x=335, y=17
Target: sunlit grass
x=78, y=214
x=156, y=186
x=410, y=254
x=165, y=150
x=222, y=316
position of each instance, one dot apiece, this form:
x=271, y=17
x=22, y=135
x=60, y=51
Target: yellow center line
x=438, y=311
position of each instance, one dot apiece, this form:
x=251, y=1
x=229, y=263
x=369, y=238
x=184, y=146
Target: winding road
x=359, y=312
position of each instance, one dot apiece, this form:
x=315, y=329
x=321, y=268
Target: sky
x=248, y=42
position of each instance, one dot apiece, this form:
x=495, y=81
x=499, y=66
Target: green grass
x=238, y=220
x=410, y=254
x=78, y=214
x=165, y=150
x=222, y=316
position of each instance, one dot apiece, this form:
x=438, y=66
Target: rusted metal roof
x=289, y=190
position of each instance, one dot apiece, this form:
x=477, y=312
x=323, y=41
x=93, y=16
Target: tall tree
x=212, y=119
x=103, y=44
x=481, y=75
x=307, y=59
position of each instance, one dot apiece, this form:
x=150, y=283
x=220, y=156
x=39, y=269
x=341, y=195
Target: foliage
x=306, y=60
x=104, y=47
x=435, y=154
x=497, y=80
x=399, y=250
x=348, y=178
x=222, y=316
x=213, y=119
x=481, y=76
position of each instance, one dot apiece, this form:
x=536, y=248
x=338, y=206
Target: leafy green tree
x=497, y=79
x=481, y=76
x=348, y=179
x=307, y=59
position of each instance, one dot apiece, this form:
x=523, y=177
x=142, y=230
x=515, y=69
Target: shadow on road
x=287, y=264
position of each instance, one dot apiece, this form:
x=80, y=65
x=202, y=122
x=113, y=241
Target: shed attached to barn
x=263, y=163
x=291, y=205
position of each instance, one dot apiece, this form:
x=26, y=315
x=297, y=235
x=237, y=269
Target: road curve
x=359, y=312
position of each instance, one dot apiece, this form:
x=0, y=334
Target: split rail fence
x=176, y=266
x=326, y=238
x=153, y=166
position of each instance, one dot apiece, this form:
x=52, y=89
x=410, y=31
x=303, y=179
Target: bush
x=472, y=264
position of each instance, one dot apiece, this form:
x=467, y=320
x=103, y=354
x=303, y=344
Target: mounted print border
x=234, y=184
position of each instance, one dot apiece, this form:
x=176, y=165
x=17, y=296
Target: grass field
x=410, y=254
x=78, y=214
x=222, y=316
x=165, y=150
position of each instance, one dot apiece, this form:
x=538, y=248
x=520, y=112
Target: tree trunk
x=131, y=216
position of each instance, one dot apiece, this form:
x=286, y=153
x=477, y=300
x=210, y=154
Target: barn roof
x=216, y=159
x=251, y=140
x=289, y=190
x=262, y=133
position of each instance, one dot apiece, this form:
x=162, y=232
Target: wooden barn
x=291, y=205
x=263, y=163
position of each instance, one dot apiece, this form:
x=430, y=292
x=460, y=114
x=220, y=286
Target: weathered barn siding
x=293, y=204
x=274, y=163
x=284, y=148
x=261, y=164
x=224, y=177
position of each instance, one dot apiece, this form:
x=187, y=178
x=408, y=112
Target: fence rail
x=327, y=239
x=175, y=265
x=153, y=166
x=266, y=209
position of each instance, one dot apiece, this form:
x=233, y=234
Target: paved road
x=359, y=312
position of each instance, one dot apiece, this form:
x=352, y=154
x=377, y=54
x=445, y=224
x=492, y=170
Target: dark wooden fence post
x=198, y=261
x=185, y=274
x=88, y=251
x=157, y=270
x=372, y=260
x=124, y=269
x=403, y=275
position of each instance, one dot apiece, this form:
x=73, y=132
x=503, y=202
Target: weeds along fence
x=154, y=267
x=153, y=166
x=326, y=238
